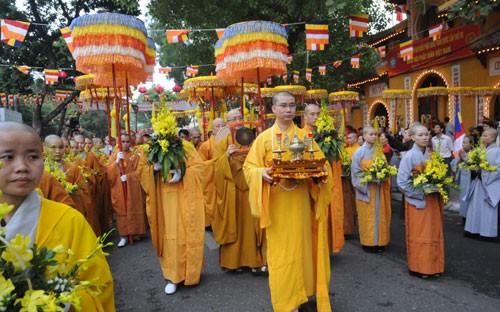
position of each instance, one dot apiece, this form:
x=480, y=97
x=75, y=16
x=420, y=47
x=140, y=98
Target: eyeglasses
x=283, y=106
x=239, y=118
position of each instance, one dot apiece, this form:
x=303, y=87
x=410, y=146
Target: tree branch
x=59, y=108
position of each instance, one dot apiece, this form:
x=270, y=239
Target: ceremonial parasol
x=251, y=51
x=342, y=97
x=395, y=94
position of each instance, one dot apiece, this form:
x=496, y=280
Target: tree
x=45, y=48
x=473, y=11
x=197, y=14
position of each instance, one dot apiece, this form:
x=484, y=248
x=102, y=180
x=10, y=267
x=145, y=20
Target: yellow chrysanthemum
x=6, y=286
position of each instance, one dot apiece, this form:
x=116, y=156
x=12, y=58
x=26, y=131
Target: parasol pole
x=128, y=106
x=395, y=116
x=242, y=106
x=345, y=115
x=108, y=111
x=259, y=95
x=121, y=166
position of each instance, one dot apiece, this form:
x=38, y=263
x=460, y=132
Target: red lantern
x=62, y=74
x=158, y=89
x=177, y=88
x=142, y=89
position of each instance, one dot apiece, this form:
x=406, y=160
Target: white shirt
x=443, y=144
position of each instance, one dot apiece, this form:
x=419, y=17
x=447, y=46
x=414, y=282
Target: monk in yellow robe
x=349, y=194
x=176, y=216
x=336, y=212
x=298, y=258
x=48, y=223
x=233, y=225
x=130, y=212
x=54, y=150
x=53, y=190
x=207, y=149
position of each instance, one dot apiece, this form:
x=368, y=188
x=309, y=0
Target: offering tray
x=298, y=169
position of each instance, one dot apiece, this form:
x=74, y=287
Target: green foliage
x=179, y=14
x=473, y=12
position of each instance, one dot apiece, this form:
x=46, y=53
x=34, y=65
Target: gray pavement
x=360, y=281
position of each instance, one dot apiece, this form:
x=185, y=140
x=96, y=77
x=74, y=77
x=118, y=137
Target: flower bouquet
x=346, y=160
x=476, y=160
x=166, y=148
x=433, y=179
x=40, y=280
x=326, y=136
x=379, y=170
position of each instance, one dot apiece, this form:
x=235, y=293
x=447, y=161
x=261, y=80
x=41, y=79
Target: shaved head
x=10, y=126
x=217, y=124
x=368, y=129
x=51, y=138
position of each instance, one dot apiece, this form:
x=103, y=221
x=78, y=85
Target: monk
x=349, y=193
x=53, y=190
x=129, y=211
x=373, y=199
x=423, y=213
x=207, y=149
x=233, y=225
x=298, y=259
x=195, y=137
x=176, y=218
x=54, y=149
x=94, y=171
x=48, y=223
x=336, y=238
x=483, y=193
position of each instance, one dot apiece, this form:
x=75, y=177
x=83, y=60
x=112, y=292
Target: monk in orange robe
x=129, y=211
x=349, y=193
x=207, y=149
x=53, y=190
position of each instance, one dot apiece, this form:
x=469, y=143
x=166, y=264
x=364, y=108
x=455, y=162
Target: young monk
x=47, y=223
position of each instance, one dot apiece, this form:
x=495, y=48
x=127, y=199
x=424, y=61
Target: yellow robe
x=176, y=218
x=233, y=225
x=336, y=238
x=60, y=224
x=298, y=259
x=207, y=149
x=130, y=218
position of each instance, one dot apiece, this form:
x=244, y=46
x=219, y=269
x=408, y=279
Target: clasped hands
x=176, y=173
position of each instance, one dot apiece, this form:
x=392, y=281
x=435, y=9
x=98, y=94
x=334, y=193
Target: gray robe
x=414, y=196
x=462, y=176
x=362, y=190
x=482, y=198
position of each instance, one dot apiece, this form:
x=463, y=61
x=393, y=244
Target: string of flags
x=317, y=39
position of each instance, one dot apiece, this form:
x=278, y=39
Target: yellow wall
x=472, y=74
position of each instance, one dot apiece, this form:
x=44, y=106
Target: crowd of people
x=285, y=229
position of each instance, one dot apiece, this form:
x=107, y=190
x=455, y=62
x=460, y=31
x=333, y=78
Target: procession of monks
x=226, y=188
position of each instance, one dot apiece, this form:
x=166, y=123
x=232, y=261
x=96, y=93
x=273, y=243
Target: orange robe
x=176, y=218
x=349, y=197
x=130, y=214
x=233, y=225
x=335, y=219
x=207, y=149
x=53, y=190
x=81, y=197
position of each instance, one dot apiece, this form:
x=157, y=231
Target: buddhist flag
x=435, y=32
x=290, y=59
x=192, y=71
x=177, y=36
x=358, y=25
x=459, y=132
x=51, y=76
x=284, y=77
x=381, y=51
x=13, y=32
x=164, y=70
x=62, y=94
x=66, y=33
x=269, y=81
x=406, y=50
x=322, y=70
x=317, y=38
x=23, y=69
x=220, y=32
x=3, y=98
x=309, y=72
x=296, y=74
x=336, y=64
x=355, y=61
x=11, y=99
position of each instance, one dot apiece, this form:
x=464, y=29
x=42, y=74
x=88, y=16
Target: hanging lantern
x=177, y=88
x=142, y=89
x=62, y=74
x=158, y=89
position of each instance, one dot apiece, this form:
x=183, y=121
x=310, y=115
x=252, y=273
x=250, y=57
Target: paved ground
x=360, y=281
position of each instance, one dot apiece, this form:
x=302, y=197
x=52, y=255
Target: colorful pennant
x=296, y=74
x=23, y=69
x=177, y=36
x=309, y=74
x=355, y=61
x=381, y=51
x=317, y=38
x=435, y=32
x=220, y=32
x=192, y=71
x=322, y=69
x=406, y=50
x=336, y=64
x=51, y=76
x=13, y=32
x=165, y=70
x=358, y=25
x=66, y=33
